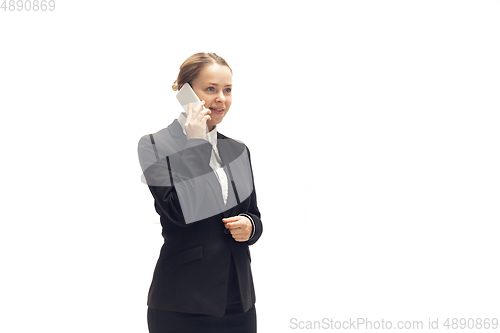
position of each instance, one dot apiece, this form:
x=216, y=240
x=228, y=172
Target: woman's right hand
x=196, y=123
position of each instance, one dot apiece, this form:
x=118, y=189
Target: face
x=213, y=85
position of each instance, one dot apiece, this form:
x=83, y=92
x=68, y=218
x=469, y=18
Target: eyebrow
x=215, y=84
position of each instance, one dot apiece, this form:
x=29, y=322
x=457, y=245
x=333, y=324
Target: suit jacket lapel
x=228, y=152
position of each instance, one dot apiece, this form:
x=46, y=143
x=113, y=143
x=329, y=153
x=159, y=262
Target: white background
x=374, y=133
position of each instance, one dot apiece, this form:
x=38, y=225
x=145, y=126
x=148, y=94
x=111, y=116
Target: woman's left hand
x=239, y=226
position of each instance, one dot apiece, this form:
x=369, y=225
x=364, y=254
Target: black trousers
x=233, y=321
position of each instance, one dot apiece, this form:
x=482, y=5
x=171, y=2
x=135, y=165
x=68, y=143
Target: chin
x=217, y=120
x=213, y=124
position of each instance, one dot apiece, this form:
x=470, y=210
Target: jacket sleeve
x=253, y=211
x=177, y=181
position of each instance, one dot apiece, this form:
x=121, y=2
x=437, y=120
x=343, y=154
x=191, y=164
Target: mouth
x=218, y=111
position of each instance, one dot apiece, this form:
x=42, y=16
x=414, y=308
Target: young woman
x=203, y=190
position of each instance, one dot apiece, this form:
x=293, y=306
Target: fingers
x=190, y=111
x=236, y=222
x=240, y=239
x=204, y=115
x=193, y=113
x=201, y=114
x=196, y=121
x=240, y=234
x=200, y=106
x=239, y=227
x=231, y=219
x=236, y=225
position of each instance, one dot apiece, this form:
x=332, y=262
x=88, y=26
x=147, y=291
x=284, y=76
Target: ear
x=180, y=87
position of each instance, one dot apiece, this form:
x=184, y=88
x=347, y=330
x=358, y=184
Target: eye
x=228, y=90
x=210, y=88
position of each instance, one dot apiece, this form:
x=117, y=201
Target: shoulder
x=230, y=141
x=232, y=147
x=155, y=139
x=158, y=136
x=165, y=134
x=164, y=142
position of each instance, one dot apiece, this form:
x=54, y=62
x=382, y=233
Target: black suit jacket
x=191, y=274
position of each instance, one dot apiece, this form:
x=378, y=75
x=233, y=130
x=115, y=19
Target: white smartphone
x=187, y=95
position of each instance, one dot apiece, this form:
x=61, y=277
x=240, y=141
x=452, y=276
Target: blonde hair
x=190, y=68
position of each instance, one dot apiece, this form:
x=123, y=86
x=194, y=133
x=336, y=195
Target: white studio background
x=374, y=133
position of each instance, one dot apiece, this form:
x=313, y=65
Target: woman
x=203, y=190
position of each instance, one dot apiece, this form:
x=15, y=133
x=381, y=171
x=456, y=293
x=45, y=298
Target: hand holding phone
x=197, y=115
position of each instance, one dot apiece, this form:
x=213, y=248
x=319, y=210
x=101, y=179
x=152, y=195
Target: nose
x=221, y=98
